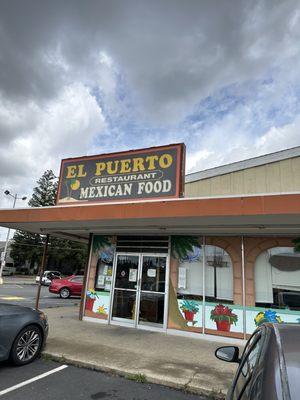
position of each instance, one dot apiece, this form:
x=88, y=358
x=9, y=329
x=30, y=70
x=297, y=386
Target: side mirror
x=228, y=353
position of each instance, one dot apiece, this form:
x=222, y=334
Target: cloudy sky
x=88, y=77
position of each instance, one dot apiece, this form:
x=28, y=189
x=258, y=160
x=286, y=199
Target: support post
x=41, y=271
x=85, y=278
x=3, y=261
x=203, y=283
x=243, y=288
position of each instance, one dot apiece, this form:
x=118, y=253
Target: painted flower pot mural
x=102, y=310
x=91, y=296
x=267, y=316
x=223, y=317
x=189, y=309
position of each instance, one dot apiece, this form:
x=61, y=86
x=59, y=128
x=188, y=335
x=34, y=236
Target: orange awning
x=259, y=215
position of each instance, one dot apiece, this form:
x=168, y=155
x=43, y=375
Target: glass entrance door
x=152, y=290
x=125, y=288
x=140, y=290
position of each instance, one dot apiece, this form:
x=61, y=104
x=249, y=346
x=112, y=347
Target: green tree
x=44, y=194
x=26, y=247
x=63, y=254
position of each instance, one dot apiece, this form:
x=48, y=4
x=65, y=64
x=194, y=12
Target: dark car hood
x=11, y=309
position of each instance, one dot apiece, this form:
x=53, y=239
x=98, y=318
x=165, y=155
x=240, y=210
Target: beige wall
x=279, y=176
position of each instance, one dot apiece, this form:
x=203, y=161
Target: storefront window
x=218, y=275
x=97, y=301
x=277, y=279
x=221, y=314
x=190, y=274
x=277, y=288
x=186, y=283
x=204, y=295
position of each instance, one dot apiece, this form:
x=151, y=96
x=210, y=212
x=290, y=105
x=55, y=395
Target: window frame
x=77, y=279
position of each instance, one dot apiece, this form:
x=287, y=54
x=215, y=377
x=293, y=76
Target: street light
x=3, y=255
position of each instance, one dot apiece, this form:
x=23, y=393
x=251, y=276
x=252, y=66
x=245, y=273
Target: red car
x=70, y=286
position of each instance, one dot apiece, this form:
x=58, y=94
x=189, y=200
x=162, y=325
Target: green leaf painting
x=189, y=305
x=99, y=242
x=182, y=245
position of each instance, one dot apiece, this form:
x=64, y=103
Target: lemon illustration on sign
x=75, y=184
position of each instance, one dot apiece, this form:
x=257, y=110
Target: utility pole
x=3, y=255
x=41, y=271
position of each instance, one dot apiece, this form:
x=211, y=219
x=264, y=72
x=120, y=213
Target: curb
x=187, y=387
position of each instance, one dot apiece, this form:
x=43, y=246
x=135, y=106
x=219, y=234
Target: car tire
x=27, y=345
x=65, y=293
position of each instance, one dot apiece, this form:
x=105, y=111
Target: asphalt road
x=25, y=295
x=71, y=383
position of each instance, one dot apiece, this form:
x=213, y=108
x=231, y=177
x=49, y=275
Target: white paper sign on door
x=151, y=272
x=101, y=279
x=132, y=275
x=181, y=278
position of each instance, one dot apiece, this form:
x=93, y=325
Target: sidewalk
x=175, y=361
x=19, y=280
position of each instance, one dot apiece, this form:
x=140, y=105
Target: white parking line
x=19, y=385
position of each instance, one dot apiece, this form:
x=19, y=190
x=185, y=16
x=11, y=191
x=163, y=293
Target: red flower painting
x=224, y=317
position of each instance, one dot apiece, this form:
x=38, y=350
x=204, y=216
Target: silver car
x=47, y=277
x=269, y=367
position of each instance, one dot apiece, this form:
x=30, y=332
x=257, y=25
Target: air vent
x=142, y=244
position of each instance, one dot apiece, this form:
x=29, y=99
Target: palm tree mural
x=99, y=242
x=181, y=247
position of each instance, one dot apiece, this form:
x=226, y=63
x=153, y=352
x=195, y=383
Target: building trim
x=125, y=203
x=222, y=206
x=206, y=336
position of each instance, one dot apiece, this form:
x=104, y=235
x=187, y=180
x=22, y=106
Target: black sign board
x=156, y=172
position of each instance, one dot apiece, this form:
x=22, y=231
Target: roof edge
x=162, y=200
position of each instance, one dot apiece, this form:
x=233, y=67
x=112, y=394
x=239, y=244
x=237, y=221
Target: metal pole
x=41, y=271
x=3, y=261
x=203, y=284
x=243, y=287
x=86, y=277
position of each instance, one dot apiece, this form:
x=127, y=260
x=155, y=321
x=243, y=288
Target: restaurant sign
x=156, y=172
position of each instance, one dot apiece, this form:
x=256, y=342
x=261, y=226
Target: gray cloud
x=168, y=54
x=171, y=52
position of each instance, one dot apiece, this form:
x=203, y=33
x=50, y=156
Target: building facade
x=219, y=261
x=272, y=173
x=223, y=285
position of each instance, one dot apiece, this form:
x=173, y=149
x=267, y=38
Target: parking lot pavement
x=71, y=383
x=25, y=295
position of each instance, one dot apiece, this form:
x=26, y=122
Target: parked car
x=269, y=367
x=47, y=277
x=23, y=333
x=70, y=286
x=8, y=271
